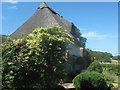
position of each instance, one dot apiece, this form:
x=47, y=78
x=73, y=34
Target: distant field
x=115, y=61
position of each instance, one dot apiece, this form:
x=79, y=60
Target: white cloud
x=13, y=7
x=12, y=1
x=94, y=35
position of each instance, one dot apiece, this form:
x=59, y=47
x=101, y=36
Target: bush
x=111, y=74
x=95, y=66
x=90, y=80
x=110, y=78
x=112, y=68
x=35, y=61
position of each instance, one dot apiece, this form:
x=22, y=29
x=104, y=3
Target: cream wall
x=74, y=50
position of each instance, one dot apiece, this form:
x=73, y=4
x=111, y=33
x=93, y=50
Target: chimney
x=81, y=51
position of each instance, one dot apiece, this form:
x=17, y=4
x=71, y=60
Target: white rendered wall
x=74, y=50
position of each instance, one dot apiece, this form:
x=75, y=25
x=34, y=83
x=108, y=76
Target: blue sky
x=98, y=22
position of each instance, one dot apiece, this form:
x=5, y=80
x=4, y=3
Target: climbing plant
x=35, y=60
x=79, y=39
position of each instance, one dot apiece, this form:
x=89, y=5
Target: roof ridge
x=44, y=5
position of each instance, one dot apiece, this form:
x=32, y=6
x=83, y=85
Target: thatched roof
x=43, y=17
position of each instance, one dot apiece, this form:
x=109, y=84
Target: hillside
x=100, y=56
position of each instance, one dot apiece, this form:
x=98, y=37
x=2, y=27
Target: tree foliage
x=116, y=57
x=35, y=60
x=90, y=81
x=100, y=56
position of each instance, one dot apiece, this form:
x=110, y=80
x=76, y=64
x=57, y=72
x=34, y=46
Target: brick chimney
x=81, y=51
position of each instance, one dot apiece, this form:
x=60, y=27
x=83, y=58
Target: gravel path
x=70, y=85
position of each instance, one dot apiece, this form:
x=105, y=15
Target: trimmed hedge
x=90, y=80
x=95, y=66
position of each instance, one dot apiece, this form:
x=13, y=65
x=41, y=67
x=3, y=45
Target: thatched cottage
x=46, y=16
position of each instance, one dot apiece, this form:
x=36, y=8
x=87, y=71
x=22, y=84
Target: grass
x=114, y=61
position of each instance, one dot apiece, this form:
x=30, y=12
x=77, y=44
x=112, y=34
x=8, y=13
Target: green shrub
x=111, y=73
x=35, y=61
x=90, y=81
x=110, y=77
x=112, y=68
x=95, y=66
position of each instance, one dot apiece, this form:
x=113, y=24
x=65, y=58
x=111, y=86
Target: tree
x=116, y=58
x=90, y=81
x=100, y=56
x=35, y=60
